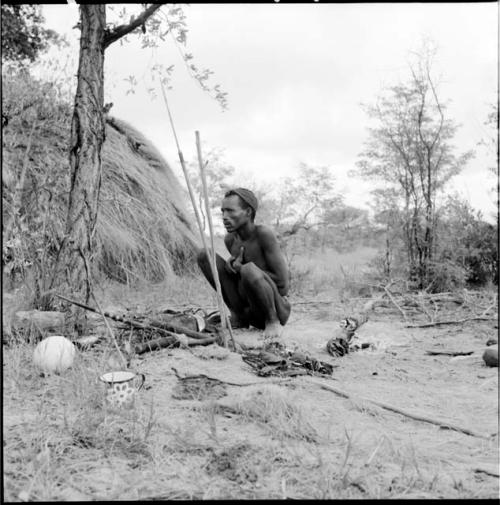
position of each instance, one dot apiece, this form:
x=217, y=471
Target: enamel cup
x=121, y=387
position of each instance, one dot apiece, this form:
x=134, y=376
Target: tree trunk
x=387, y=261
x=87, y=137
x=429, y=216
x=408, y=228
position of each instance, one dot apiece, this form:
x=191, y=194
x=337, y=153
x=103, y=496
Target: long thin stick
x=491, y=471
x=417, y=417
x=457, y=321
x=183, y=165
x=195, y=208
x=224, y=318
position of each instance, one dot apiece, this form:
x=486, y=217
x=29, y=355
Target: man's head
x=238, y=207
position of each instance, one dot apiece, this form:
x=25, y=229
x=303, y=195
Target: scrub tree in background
x=410, y=152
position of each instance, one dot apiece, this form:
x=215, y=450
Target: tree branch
x=122, y=30
x=389, y=294
x=438, y=104
x=457, y=321
x=417, y=416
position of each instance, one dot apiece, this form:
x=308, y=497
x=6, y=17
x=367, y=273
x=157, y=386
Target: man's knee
x=202, y=256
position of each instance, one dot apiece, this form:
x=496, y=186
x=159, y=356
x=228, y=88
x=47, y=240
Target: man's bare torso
x=253, y=248
x=262, y=249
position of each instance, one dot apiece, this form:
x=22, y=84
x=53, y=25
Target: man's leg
x=268, y=309
x=229, y=285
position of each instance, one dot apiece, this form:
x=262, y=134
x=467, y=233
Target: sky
x=296, y=77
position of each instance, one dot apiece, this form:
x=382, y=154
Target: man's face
x=233, y=215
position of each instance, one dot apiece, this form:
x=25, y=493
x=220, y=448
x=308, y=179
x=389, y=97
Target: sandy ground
x=460, y=391
x=200, y=447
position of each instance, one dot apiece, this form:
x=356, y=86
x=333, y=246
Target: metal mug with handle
x=121, y=387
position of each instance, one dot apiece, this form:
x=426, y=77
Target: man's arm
x=275, y=261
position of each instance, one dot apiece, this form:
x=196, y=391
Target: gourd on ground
x=54, y=354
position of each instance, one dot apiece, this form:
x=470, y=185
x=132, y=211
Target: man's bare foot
x=273, y=331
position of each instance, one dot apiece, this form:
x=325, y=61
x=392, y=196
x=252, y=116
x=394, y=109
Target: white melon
x=54, y=354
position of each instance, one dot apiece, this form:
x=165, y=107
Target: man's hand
x=233, y=265
x=238, y=262
x=229, y=265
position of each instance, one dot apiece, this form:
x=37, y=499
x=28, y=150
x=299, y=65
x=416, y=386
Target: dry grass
x=63, y=443
x=257, y=442
x=331, y=271
x=277, y=411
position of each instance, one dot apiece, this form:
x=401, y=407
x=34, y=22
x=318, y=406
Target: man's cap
x=247, y=196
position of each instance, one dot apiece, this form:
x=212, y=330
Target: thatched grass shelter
x=143, y=228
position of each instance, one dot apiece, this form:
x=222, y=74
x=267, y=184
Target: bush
x=446, y=275
x=469, y=242
x=482, y=255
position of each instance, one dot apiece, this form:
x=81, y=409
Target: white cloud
x=296, y=75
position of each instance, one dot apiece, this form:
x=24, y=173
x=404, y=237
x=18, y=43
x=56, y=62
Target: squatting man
x=254, y=279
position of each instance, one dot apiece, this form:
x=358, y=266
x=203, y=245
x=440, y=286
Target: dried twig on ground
x=431, y=304
x=419, y=300
x=449, y=353
x=454, y=321
x=391, y=297
x=411, y=415
x=215, y=379
x=492, y=471
x=163, y=342
x=493, y=305
x=312, y=302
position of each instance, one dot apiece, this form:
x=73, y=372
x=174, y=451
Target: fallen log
x=164, y=327
x=449, y=353
x=163, y=342
x=397, y=410
x=39, y=319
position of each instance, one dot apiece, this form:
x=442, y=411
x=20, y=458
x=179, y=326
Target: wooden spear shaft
x=213, y=266
x=183, y=165
x=223, y=314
